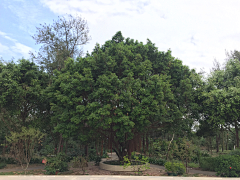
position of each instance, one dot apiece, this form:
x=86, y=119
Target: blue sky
x=196, y=31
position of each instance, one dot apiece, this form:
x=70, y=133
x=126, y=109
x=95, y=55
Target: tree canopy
x=121, y=90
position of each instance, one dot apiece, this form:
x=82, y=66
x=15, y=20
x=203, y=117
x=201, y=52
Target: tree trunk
x=227, y=142
x=66, y=146
x=143, y=145
x=217, y=140
x=96, y=147
x=186, y=165
x=147, y=142
x=222, y=139
x=86, y=150
x=102, y=148
x=4, y=150
x=55, y=150
x=60, y=143
x=210, y=144
x=169, y=147
x=236, y=130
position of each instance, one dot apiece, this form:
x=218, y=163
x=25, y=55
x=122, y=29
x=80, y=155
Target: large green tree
x=122, y=90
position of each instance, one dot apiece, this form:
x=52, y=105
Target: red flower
x=230, y=168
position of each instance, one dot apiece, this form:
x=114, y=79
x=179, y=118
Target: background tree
x=235, y=54
x=21, y=86
x=222, y=97
x=60, y=40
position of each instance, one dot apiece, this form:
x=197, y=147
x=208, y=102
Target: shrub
x=92, y=157
x=36, y=161
x=79, y=162
x=47, y=150
x=138, y=170
x=174, y=167
x=205, y=154
x=138, y=157
x=23, y=144
x=105, y=155
x=235, y=152
x=8, y=160
x=228, y=166
x=58, y=163
x=158, y=161
x=98, y=160
x=208, y=163
x=193, y=165
x=2, y=165
x=225, y=165
x=194, y=159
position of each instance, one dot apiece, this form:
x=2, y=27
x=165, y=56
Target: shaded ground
x=155, y=170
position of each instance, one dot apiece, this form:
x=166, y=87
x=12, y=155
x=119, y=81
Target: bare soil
x=17, y=166
x=95, y=170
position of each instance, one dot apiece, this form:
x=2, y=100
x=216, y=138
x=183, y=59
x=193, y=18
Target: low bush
x=113, y=162
x=98, y=160
x=228, y=166
x=58, y=163
x=157, y=161
x=208, y=163
x=204, y=154
x=8, y=160
x=175, y=167
x=235, y=152
x=94, y=157
x=224, y=165
x=193, y=165
x=80, y=162
x=2, y=165
x=122, y=163
x=195, y=159
x=36, y=161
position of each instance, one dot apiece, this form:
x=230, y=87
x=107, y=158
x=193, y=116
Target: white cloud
x=26, y=12
x=7, y=37
x=196, y=31
x=21, y=49
x=3, y=48
x=17, y=49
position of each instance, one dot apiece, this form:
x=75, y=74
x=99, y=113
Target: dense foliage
x=124, y=96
